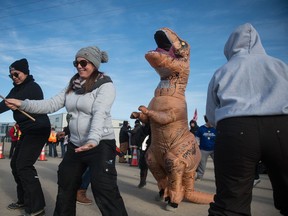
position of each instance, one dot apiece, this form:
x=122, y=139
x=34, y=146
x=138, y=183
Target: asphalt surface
x=139, y=202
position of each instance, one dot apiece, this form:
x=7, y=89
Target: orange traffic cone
x=134, y=161
x=42, y=156
x=1, y=152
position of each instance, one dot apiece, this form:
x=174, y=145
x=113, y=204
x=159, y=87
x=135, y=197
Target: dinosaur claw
x=134, y=115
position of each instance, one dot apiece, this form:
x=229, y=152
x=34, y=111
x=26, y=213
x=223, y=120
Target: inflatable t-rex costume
x=174, y=154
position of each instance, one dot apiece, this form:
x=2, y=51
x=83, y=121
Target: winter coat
x=29, y=89
x=90, y=119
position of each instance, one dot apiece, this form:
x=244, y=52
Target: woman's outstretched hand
x=85, y=147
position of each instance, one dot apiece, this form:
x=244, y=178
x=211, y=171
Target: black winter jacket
x=123, y=135
x=27, y=90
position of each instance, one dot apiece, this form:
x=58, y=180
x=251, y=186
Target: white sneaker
x=197, y=177
x=170, y=208
x=39, y=213
x=256, y=181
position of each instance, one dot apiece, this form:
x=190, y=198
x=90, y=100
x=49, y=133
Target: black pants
x=240, y=144
x=26, y=153
x=101, y=161
x=142, y=161
x=13, y=145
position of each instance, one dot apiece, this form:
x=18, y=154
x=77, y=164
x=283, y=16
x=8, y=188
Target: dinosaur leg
x=159, y=174
x=175, y=169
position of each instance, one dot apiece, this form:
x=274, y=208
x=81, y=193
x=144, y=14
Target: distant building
x=58, y=121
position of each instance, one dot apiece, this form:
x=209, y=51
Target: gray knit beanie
x=93, y=54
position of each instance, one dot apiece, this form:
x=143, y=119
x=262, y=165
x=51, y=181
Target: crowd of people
x=246, y=122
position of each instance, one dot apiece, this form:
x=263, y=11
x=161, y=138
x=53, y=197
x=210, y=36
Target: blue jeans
x=52, y=150
x=63, y=148
x=85, y=179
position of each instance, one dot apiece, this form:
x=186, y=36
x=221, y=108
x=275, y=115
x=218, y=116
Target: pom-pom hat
x=93, y=54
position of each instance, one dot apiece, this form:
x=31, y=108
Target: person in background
x=124, y=141
x=34, y=135
x=193, y=126
x=145, y=141
x=63, y=136
x=206, y=134
x=133, y=139
x=81, y=192
x=88, y=98
x=52, y=143
x=67, y=133
x=14, y=133
x=247, y=101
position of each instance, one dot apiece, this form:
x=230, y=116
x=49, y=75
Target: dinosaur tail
x=199, y=197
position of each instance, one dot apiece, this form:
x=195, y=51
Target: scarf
x=78, y=83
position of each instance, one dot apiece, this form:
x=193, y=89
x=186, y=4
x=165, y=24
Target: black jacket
x=32, y=91
x=123, y=135
x=142, y=133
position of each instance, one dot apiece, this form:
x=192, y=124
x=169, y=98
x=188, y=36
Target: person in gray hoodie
x=88, y=98
x=247, y=100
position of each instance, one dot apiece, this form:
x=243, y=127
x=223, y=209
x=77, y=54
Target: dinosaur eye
x=183, y=43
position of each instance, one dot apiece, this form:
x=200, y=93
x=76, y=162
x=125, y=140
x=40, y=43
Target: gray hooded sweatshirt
x=251, y=83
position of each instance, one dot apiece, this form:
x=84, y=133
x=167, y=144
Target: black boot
x=143, y=176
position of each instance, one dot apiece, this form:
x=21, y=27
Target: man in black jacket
x=124, y=141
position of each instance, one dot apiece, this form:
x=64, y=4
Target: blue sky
x=49, y=34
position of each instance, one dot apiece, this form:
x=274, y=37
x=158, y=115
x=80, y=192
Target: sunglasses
x=16, y=75
x=83, y=63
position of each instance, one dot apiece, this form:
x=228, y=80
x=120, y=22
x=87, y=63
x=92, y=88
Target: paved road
x=139, y=202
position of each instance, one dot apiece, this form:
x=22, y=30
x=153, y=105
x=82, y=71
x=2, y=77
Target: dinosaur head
x=171, y=56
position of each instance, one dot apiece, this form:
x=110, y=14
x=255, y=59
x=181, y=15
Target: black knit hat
x=20, y=65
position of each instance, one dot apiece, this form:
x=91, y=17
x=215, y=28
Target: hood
x=244, y=40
